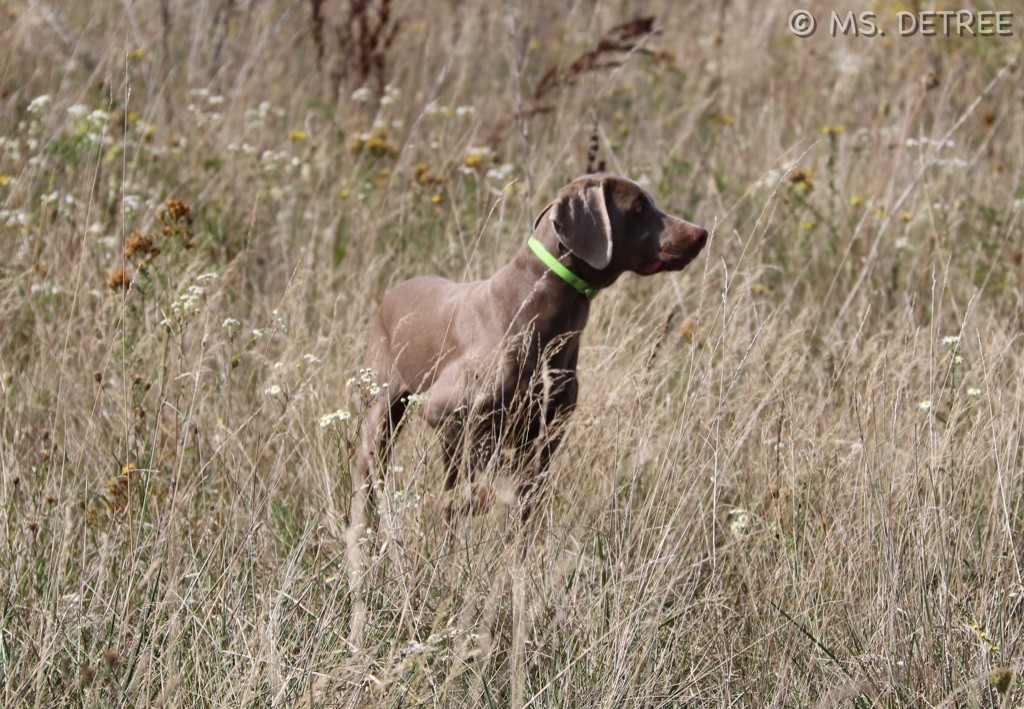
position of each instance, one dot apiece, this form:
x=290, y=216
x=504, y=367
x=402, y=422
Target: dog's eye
x=638, y=206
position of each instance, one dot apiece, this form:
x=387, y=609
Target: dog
x=496, y=359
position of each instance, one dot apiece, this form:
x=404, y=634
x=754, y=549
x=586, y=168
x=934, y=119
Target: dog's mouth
x=649, y=268
x=677, y=254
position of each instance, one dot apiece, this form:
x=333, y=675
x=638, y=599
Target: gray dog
x=496, y=359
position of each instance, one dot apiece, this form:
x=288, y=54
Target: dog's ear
x=581, y=222
x=536, y=222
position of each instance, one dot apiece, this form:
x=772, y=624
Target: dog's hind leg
x=374, y=453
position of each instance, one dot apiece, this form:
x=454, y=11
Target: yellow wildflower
x=478, y=156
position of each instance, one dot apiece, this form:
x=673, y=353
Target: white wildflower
x=925, y=405
x=361, y=95
x=414, y=400
x=273, y=390
x=770, y=179
x=416, y=648
x=478, y=151
x=131, y=202
x=187, y=304
x=739, y=521
x=44, y=288
x=391, y=94
x=501, y=173
x=39, y=104
x=99, y=118
x=334, y=417
x=277, y=319
x=13, y=218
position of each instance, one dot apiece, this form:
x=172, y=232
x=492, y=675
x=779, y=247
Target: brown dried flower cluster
x=119, y=280
x=176, y=218
x=140, y=245
x=178, y=210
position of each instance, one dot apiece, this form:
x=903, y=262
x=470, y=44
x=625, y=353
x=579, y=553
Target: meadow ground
x=795, y=475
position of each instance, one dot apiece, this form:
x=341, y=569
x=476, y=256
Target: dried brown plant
x=363, y=36
x=611, y=51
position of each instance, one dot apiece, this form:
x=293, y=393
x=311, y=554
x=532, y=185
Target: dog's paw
x=480, y=497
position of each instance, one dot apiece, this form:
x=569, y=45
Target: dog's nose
x=700, y=237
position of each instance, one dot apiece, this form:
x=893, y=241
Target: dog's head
x=612, y=225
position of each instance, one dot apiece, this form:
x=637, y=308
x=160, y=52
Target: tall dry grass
x=795, y=475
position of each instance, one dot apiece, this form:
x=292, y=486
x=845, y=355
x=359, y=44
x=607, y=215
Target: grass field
x=796, y=473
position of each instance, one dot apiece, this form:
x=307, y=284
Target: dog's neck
x=530, y=286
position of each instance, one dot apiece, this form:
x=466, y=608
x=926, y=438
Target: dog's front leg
x=532, y=487
x=469, y=443
x=556, y=403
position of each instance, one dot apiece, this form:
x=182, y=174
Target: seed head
x=178, y=210
x=119, y=280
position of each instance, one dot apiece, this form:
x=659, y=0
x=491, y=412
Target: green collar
x=559, y=268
